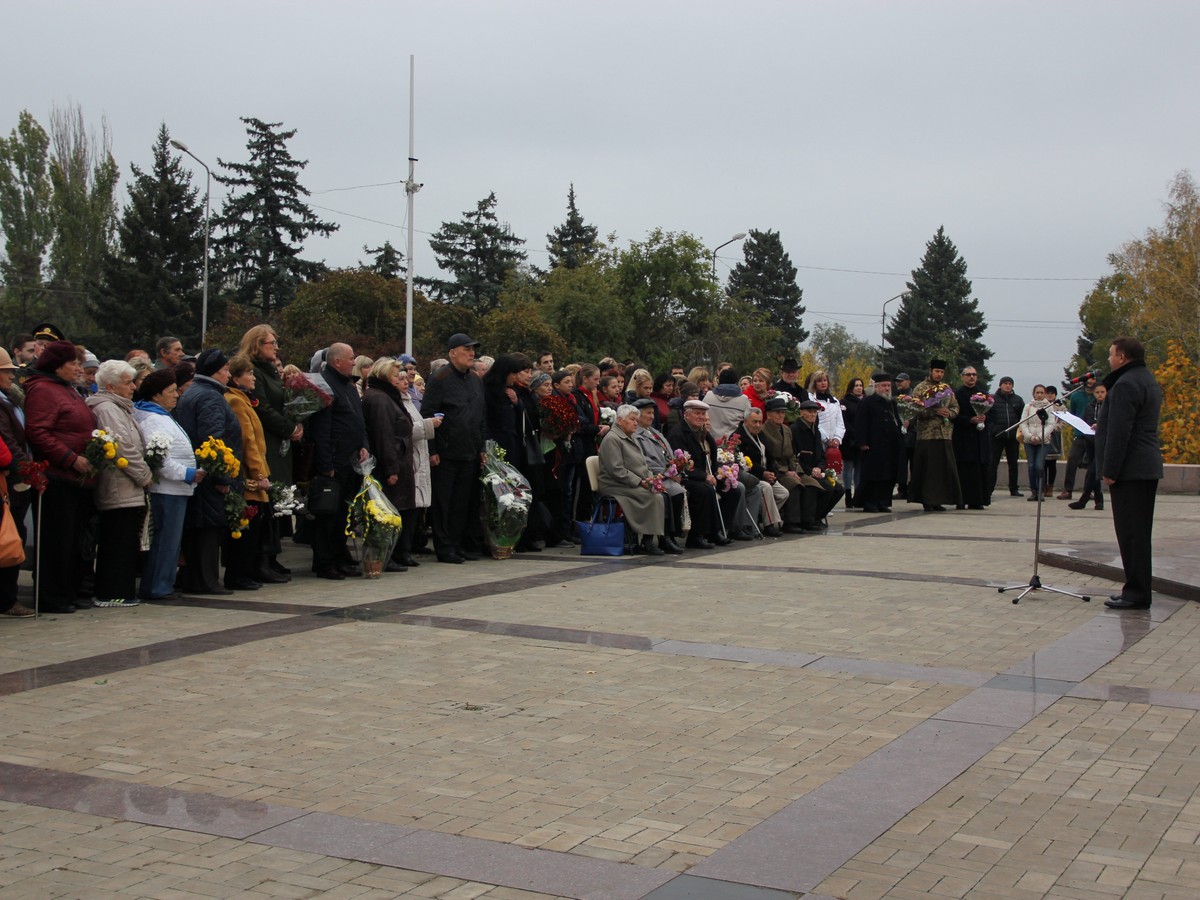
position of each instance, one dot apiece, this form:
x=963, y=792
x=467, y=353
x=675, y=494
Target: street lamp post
x=737, y=237
x=883, y=324
x=180, y=145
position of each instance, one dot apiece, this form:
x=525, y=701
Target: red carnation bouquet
x=559, y=420
x=304, y=394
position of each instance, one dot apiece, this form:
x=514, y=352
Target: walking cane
x=37, y=558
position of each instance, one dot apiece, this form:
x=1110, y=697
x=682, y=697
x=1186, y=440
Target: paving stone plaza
x=857, y=714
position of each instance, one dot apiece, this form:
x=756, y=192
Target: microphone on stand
x=1086, y=376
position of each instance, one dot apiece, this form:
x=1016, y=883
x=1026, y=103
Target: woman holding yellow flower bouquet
x=204, y=414
x=120, y=487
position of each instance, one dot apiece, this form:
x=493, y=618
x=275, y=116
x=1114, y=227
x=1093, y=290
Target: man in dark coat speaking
x=881, y=445
x=1129, y=459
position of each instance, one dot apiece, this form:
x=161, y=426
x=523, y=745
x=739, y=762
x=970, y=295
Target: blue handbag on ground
x=604, y=535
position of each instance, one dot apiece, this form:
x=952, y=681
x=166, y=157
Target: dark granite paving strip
x=1066, y=558
x=283, y=609
x=871, y=668
x=536, y=632
x=943, y=537
x=1124, y=694
x=151, y=654
x=689, y=887
x=848, y=573
x=165, y=807
x=1076, y=655
x=798, y=847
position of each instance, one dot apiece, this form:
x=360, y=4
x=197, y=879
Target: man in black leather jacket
x=1000, y=418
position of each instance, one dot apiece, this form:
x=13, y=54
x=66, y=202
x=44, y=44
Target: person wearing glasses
x=972, y=445
x=261, y=346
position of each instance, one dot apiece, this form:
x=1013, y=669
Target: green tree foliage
x=361, y=308
x=938, y=317
x=1105, y=313
x=835, y=347
x=152, y=283
x=479, y=253
x=388, y=261
x=581, y=305
x=83, y=176
x=667, y=287
x=1161, y=277
x=25, y=191
x=729, y=328
x=766, y=279
x=573, y=243
x=264, y=222
x=517, y=325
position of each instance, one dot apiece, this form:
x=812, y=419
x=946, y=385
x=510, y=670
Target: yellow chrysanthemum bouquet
x=103, y=451
x=215, y=458
x=373, y=521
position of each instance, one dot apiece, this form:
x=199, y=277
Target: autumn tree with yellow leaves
x=1179, y=429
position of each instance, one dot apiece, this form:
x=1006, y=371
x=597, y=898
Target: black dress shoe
x=266, y=576
x=1118, y=602
x=960, y=506
x=409, y=562
x=668, y=545
x=278, y=568
x=82, y=603
x=792, y=528
x=873, y=508
x=215, y=591
x=742, y=536
x=721, y=541
x=649, y=546
x=698, y=543
x=974, y=506
x=773, y=531
x=330, y=574
x=60, y=610
x=811, y=529
x=1015, y=494
x=933, y=507
x=242, y=583
x=393, y=566
x=350, y=571
x=469, y=555
x=449, y=558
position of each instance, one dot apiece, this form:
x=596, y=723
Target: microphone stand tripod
x=1035, y=581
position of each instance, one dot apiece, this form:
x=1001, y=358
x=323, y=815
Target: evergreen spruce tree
x=264, y=222
x=25, y=220
x=572, y=243
x=479, y=253
x=152, y=283
x=388, y=261
x=937, y=317
x=766, y=279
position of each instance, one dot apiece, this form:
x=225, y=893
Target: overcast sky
x=1041, y=135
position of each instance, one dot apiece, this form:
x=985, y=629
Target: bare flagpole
x=410, y=188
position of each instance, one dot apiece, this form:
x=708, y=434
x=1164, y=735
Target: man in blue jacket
x=1129, y=459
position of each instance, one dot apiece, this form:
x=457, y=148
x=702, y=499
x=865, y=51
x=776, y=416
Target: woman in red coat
x=58, y=426
x=760, y=387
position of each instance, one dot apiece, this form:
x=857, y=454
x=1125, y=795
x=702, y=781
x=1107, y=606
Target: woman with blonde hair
x=760, y=387
x=260, y=345
x=245, y=564
x=829, y=419
x=701, y=377
x=362, y=368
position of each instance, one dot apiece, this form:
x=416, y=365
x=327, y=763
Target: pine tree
x=152, y=283
x=766, y=279
x=264, y=223
x=937, y=317
x=388, y=262
x=480, y=253
x=25, y=218
x=572, y=243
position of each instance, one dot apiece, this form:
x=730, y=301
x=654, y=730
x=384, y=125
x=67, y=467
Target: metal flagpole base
x=1035, y=584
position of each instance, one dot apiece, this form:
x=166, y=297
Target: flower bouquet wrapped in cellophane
x=373, y=521
x=506, y=500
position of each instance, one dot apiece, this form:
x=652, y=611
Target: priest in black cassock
x=880, y=443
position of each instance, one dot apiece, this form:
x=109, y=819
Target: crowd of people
x=694, y=458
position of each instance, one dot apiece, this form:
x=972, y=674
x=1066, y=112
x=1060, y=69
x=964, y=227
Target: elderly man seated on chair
x=820, y=495
x=625, y=476
x=716, y=507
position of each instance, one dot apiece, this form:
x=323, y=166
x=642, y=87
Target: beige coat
x=120, y=488
x=422, y=432
x=622, y=468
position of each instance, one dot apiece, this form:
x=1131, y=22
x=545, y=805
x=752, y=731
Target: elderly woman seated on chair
x=625, y=475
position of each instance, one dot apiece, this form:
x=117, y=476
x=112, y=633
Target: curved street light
x=883, y=323
x=737, y=237
x=180, y=145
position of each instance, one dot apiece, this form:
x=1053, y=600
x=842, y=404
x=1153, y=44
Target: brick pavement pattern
x=623, y=721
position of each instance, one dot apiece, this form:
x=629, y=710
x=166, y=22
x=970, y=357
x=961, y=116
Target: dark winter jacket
x=851, y=405
x=584, y=444
x=810, y=449
x=877, y=427
x=1127, y=431
x=1004, y=414
x=389, y=432
x=459, y=396
x=58, y=423
x=277, y=428
x=203, y=413
x=338, y=432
